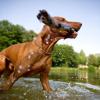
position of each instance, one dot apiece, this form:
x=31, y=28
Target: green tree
x=92, y=60
x=58, y=55
x=64, y=55
x=82, y=58
x=28, y=35
x=12, y=34
x=98, y=61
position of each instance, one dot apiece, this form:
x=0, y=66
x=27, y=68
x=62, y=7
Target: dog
x=34, y=57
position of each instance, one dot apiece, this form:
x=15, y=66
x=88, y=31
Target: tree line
x=12, y=34
x=63, y=55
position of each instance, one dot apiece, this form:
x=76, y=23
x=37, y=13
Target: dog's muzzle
x=65, y=27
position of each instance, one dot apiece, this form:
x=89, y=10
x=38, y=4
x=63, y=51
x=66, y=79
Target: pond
x=76, y=85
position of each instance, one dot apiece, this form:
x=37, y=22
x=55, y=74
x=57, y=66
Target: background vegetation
x=63, y=55
x=12, y=34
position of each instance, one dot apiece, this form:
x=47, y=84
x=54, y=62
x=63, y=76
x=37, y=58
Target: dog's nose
x=80, y=24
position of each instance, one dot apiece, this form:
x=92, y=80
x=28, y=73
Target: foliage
x=98, y=61
x=92, y=60
x=91, y=68
x=64, y=55
x=12, y=34
x=28, y=36
x=82, y=58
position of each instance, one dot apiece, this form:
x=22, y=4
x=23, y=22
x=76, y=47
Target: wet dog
x=35, y=57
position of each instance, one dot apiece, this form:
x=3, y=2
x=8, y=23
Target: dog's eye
x=59, y=26
x=63, y=19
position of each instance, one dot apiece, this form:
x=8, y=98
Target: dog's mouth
x=72, y=34
x=71, y=29
x=74, y=31
x=67, y=31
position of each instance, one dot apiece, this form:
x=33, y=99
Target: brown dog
x=35, y=56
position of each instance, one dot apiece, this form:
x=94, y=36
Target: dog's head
x=59, y=25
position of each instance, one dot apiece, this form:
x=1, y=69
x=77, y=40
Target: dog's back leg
x=11, y=79
x=16, y=73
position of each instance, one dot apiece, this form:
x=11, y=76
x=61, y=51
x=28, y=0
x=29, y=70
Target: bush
x=64, y=55
x=91, y=68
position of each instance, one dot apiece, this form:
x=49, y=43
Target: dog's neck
x=47, y=39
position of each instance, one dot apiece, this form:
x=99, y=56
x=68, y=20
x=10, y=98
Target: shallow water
x=30, y=89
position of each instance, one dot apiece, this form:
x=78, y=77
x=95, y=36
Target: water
x=77, y=85
x=91, y=76
x=30, y=89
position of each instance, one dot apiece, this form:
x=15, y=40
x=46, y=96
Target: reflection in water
x=90, y=77
x=83, y=75
x=76, y=75
x=30, y=89
x=81, y=85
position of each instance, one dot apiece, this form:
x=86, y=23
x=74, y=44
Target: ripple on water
x=31, y=89
x=68, y=91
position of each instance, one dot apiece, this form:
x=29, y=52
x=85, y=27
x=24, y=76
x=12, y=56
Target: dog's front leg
x=45, y=81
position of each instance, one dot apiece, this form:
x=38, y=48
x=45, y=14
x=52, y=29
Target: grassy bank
x=89, y=75
x=64, y=73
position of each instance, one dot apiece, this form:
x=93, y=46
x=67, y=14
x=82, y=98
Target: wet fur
x=34, y=57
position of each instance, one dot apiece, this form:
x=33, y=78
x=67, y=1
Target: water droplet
x=26, y=86
x=28, y=66
x=28, y=70
x=8, y=83
x=47, y=42
x=20, y=67
x=19, y=71
x=24, y=93
x=32, y=53
x=29, y=56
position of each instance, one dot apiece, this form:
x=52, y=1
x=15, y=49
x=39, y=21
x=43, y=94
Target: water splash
x=31, y=89
x=68, y=91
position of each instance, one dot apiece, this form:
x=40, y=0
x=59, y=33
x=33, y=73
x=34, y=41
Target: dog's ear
x=42, y=13
x=44, y=17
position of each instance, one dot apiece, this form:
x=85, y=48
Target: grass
x=90, y=75
x=63, y=73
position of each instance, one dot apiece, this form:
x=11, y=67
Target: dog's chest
x=42, y=62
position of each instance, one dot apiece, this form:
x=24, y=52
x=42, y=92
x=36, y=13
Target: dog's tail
x=2, y=63
x=6, y=67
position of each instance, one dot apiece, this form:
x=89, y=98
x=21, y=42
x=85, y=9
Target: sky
x=23, y=12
